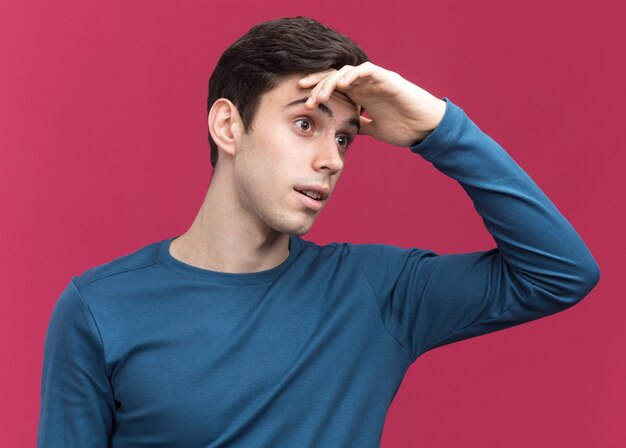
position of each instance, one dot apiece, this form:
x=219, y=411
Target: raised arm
x=540, y=265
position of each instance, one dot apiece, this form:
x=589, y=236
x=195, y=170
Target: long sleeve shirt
x=148, y=351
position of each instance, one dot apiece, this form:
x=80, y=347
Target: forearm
x=536, y=241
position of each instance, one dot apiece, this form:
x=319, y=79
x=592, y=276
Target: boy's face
x=290, y=148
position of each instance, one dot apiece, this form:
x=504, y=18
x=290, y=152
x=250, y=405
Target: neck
x=224, y=237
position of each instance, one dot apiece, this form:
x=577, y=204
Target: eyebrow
x=326, y=110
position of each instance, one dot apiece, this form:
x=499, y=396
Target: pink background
x=103, y=149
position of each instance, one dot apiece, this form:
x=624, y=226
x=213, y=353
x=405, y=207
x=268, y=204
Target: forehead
x=288, y=90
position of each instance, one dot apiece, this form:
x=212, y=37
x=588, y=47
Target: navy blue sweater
x=147, y=351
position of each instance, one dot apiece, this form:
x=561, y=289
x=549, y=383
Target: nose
x=328, y=156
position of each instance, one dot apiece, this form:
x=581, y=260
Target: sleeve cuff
x=441, y=136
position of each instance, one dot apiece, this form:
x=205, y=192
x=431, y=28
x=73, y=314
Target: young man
x=239, y=333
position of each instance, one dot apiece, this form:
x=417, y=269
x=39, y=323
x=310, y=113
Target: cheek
x=270, y=159
x=280, y=155
x=260, y=173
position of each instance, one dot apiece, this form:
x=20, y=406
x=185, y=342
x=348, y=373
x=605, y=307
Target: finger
x=366, y=126
x=341, y=79
x=329, y=85
x=367, y=69
x=325, y=88
x=312, y=102
x=313, y=78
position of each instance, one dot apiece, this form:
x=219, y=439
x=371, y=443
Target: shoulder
x=117, y=269
x=367, y=254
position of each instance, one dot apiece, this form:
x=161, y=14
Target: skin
x=251, y=207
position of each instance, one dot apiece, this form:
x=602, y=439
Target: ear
x=225, y=125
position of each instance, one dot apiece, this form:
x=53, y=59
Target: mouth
x=310, y=202
x=311, y=194
x=319, y=192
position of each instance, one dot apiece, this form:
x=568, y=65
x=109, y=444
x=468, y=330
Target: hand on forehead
x=324, y=85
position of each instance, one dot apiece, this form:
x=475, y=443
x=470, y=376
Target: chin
x=298, y=229
x=300, y=232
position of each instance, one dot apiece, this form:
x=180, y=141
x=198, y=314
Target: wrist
x=438, y=111
x=432, y=120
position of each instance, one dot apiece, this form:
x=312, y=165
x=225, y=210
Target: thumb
x=366, y=126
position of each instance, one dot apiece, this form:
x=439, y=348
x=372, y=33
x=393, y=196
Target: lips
x=310, y=203
x=313, y=195
x=322, y=191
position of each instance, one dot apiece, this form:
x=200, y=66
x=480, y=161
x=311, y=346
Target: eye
x=343, y=140
x=305, y=124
